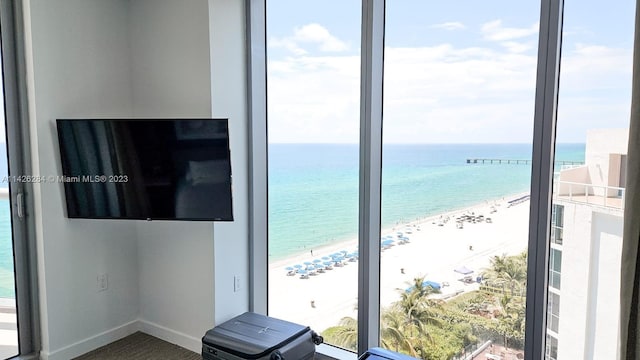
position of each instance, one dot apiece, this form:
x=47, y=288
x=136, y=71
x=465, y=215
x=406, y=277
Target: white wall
x=576, y=175
x=170, y=58
x=171, y=78
x=136, y=58
x=592, y=244
x=80, y=68
x=576, y=262
x=228, y=90
x=604, y=307
x=601, y=143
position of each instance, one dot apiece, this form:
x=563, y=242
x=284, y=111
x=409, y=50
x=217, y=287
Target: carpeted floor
x=140, y=346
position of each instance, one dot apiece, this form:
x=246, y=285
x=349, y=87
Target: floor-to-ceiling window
x=313, y=68
x=18, y=281
x=8, y=317
x=461, y=87
x=588, y=194
x=459, y=94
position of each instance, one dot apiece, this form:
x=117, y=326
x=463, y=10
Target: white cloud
x=517, y=47
x=310, y=34
x=447, y=94
x=314, y=99
x=314, y=33
x=453, y=25
x=288, y=44
x=494, y=31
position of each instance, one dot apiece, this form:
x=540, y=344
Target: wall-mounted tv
x=149, y=169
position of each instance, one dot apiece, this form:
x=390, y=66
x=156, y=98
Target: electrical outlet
x=102, y=282
x=236, y=283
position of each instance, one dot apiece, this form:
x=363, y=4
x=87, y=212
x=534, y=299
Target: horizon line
x=417, y=143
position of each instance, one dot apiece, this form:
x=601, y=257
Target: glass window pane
x=8, y=315
x=551, y=352
x=313, y=77
x=459, y=92
x=592, y=132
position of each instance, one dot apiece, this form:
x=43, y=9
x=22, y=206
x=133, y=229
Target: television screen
x=152, y=169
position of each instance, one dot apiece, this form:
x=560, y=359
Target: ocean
x=7, y=283
x=313, y=188
x=6, y=252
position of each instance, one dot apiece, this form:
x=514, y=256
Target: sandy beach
x=434, y=250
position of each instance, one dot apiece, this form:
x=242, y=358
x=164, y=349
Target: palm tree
x=395, y=332
x=417, y=307
x=345, y=334
x=508, y=271
x=511, y=318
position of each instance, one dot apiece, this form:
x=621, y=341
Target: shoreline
x=434, y=251
x=352, y=242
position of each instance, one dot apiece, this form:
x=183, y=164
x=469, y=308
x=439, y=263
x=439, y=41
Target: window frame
x=22, y=208
x=372, y=55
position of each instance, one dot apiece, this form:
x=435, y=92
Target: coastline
x=433, y=251
x=352, y=242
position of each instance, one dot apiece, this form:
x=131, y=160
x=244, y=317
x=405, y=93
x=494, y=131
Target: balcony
x=611, y=197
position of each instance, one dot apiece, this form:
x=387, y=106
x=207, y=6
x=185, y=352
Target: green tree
x=406, y=325
x=416, y=305
x=395, y=333
x=510, y=271
x=511, y=319
x=345, y=334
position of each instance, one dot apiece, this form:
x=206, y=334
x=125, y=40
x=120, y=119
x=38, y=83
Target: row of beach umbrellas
x=324, y=263
x=338, y=258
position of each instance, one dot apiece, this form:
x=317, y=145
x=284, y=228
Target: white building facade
x=586, y=244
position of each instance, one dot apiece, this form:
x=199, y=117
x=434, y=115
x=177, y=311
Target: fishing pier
x=516, y=161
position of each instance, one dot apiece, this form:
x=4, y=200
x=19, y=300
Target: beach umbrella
x=325, y=258
x=433, y=284
x=317, y=261
x=289, y=268
x=297, y=266
x=307, y=263
x=328, y=263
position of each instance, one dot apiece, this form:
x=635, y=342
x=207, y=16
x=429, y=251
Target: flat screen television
x=148, y=169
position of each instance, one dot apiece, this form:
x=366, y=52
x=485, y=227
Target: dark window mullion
x=541, y=176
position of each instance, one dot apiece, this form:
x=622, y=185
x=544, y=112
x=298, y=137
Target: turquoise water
x=7, y=287
x=313, y=188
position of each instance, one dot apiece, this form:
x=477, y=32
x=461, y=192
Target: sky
x=454, y=72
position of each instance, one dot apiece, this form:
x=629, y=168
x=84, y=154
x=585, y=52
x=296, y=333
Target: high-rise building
x=586, y=244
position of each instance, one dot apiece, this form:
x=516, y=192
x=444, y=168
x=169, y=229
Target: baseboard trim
x=175, y=337
x=91, y=343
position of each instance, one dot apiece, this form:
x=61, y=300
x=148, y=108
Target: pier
x=516, y=161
